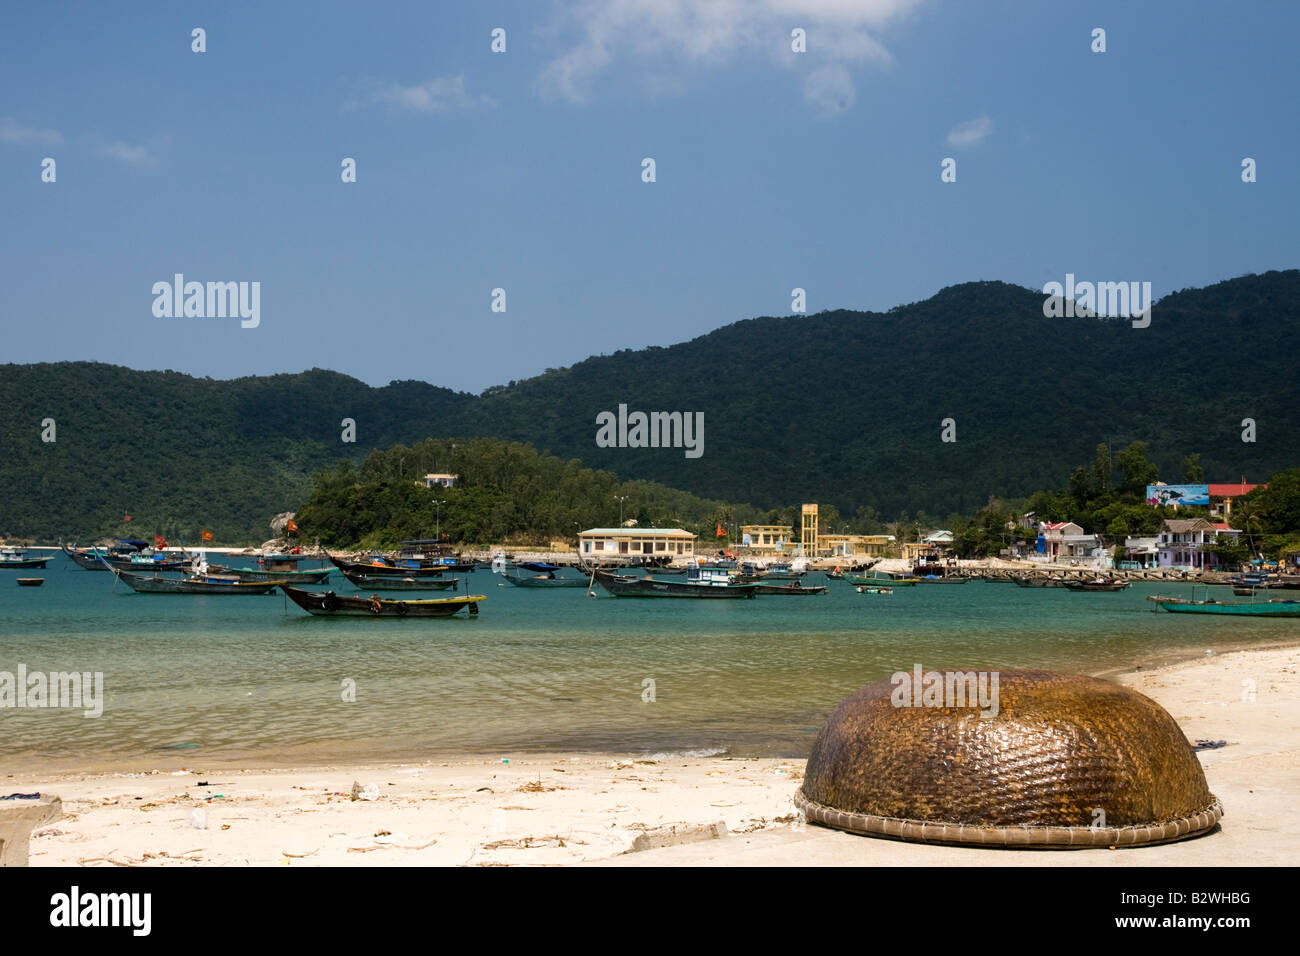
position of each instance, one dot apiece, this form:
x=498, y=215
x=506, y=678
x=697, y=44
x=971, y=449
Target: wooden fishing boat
x=30, y=582
x=1038, y=581
x=257, y=574
x=329, y=604
x=943, y=579
x=431, y=553
x=384, y=567
x=697, y=585
x=881, y=579
x=381, y=582
x=1275, y=607
x=1100, y=584
x=87, y=558
x=542, y=579
x=874, y=589
x=785, y=587
x=153, y=584
x=16, y=558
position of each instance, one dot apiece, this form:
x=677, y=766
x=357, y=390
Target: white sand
x=565, y=809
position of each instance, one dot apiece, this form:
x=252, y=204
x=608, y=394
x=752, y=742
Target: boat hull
x=25, y=563
x=790, y=589
x=1258, y=609
x=329, y=604
x=381, y=582
x=388, y=571
x=871, y=581
x=253, y=574
x=542, y=581
x=149, y=584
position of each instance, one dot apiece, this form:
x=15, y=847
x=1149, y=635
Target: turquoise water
x=254, y=678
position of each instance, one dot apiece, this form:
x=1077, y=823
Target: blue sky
x=522, y=170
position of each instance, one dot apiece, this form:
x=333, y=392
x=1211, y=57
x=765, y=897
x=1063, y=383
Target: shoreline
x=350, y=752
x=583, y=808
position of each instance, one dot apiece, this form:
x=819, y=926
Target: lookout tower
x=808, y=533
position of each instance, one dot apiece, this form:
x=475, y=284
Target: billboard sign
x=1178, y=494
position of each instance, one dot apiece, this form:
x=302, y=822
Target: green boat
x=1273, y=608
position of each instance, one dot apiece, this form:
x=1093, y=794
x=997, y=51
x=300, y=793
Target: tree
x=1193, y=473
x=1136, y=471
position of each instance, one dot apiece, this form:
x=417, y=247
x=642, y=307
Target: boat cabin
x=709, y=574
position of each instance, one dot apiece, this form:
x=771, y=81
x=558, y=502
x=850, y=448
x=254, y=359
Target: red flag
x=207, y=535
x=126, y=517
x=292, y=525
x=159, y=541
x=722, y=532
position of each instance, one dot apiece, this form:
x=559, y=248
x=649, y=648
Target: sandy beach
x=660, y=809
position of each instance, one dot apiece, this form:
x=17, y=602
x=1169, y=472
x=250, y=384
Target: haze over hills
x=842, y=407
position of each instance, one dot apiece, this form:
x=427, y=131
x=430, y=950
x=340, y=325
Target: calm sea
x=255, y=679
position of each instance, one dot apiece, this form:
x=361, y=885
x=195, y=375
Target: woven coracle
x=1067, y=761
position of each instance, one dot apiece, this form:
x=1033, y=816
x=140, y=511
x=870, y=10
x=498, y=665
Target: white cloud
x=703, y=32
x=138, y=156
x=971, y=132
x=443, y=94
x=829, y=90
x=11, y=132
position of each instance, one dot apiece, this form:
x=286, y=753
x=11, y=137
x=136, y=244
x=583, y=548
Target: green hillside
x=840, y=407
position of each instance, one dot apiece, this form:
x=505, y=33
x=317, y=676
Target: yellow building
x=854, y=545
x=808, y=531
x=598, y=543
x=767, y=537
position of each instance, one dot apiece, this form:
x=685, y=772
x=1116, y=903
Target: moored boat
x=542, y=579
x=154, y=584
x=329, y=604
x=881, y=579
x=786, y=587
x=1098, y=584
x=704, y=582
x=383, y=566
x=1275, y=607
x=317, y=576
x=16, y=558
x=1038, y=581
x=30, y=582
x=382, y=582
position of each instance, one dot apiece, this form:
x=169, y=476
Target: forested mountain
x=840, y=407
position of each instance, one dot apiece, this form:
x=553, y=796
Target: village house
x=1051, y=538
x=1185, y=543
x=1141, y=552
x=599, y=543
x=1221, y=497
x=854, y=545
x=440, y=480
x=766, y=538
